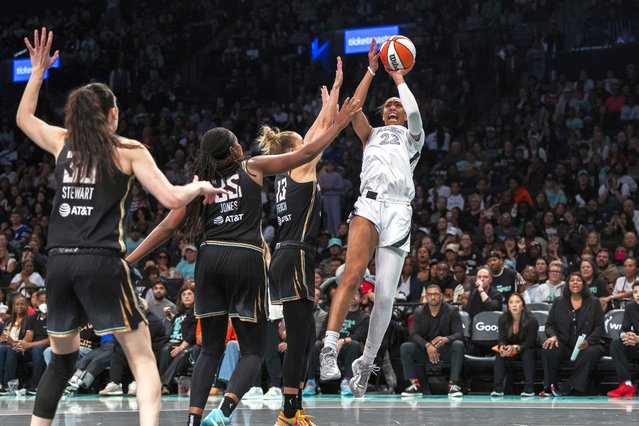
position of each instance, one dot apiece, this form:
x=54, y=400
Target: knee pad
x=52, y=384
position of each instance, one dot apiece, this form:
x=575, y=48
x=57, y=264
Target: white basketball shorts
x=391, y=217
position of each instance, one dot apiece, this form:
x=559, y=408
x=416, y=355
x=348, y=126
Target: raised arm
x=138, y=161
x=48, y=137
x=360, y=122
x=324, y=119
x=161, y=233
x=408, y=102
x=330, y=101
x=269, y=165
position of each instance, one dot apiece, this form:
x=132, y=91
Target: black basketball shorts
x=88, y=287
x=230, y=280
x=292, y=272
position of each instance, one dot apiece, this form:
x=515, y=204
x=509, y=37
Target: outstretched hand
x=40, y=50
x=373, y=55
x=349, y=109
x=208, y=191
x=339, y=75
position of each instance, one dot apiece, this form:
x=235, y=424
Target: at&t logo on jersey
x=67, y=210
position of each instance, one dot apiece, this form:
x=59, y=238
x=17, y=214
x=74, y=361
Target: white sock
x=628, y=382
x=330, y=340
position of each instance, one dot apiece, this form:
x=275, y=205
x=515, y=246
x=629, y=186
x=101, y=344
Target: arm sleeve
x=501, y=327
x=532, y=328
x=494, y=301
x=550, y=321
x=595, y=336
x=416, y=329
x=455, y=325
x=412, y=110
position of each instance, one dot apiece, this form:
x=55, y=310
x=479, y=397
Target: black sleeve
x=494, y=301
x=31, y=323
x=597, y=333
x=455, y=325
x=532, y=328
x=551, y=321
x=626, y=323
x=503, y=333
x=418, y=328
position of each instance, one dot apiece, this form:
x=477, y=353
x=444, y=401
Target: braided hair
x=215, y=160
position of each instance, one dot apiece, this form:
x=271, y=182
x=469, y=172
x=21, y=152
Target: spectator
x=186, y=266
x=595, y=283
x=332, y=184
x=623, y=286
x=408, y=284
x=483, y=296
x=14, y=332
x=35, y=341
x=163, y=262
x=158, y=304
x=517, y=340
x=624, y=349
x=531, y=284
x=28, y=280
x=553, y=288
x=502, y=279
x=436, y=336
x=174, y=355
x=134, y=239
x=576, y=313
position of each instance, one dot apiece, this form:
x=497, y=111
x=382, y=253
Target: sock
x=330, y=340
x=299, y=399
x=290, y=405
x=628, y=382
x=227, y=406
x=194, y=420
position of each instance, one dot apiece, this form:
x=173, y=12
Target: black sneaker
x=32, y=391
x=413, y=390
x=3, y=391
x=454, y=390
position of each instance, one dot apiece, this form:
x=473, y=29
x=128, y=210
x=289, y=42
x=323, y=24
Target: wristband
x=370, y=70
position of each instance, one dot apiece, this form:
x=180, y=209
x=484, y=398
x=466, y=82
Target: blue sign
x=22, y=69
x=359, y=40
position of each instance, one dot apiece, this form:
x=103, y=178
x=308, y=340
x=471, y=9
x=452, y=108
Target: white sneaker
x=133, y=389
x=254, y=393
x=111, y=389
x=329, y=369
x=273, y=393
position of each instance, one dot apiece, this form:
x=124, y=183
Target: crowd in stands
x=545, y=187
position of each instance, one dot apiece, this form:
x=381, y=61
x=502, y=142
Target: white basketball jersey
x=390, y=157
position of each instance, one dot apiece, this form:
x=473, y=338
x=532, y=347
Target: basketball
x=398, y=53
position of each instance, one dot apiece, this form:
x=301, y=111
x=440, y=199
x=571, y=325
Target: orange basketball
x=398, y=53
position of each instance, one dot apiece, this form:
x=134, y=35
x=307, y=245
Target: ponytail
x=273, y=141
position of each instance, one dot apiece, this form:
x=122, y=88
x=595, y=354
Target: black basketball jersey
x=235, y=217
x=87, y=213
x=298, y=206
